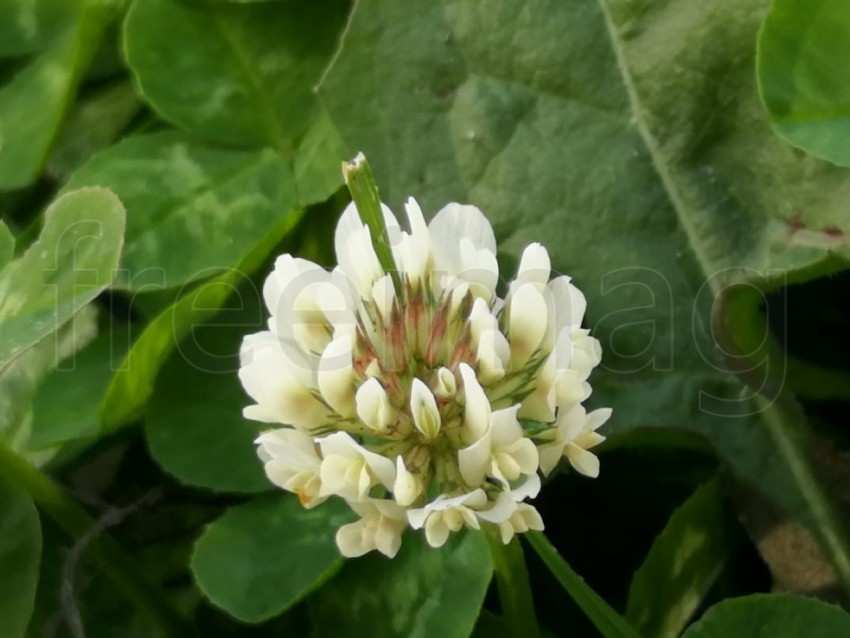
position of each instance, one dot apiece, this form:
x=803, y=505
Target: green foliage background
x=686, y=162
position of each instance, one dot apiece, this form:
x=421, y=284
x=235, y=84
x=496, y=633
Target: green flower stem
x=609, y=623
x=514, y=589
x=364, y=191
x=72, y=518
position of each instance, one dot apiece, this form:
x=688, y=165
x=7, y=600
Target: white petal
x=570, y=304
x=481, y=319
x=373, y=406
x=341, y=444
x=501, y=510
x=550, y=454
x=477, y=408
x=276, y=379
x=423, y=407
x=474, y=499
x=453, y=223
x=520, y=457
x=354, y=251
x=417, y=517
x=446, y=385
x=388, y=538
x=436, y=531
x=529, y=489
x=540, y=404
x=284, y=442
x=336, y=376
x=505, y=427
x=474, y=461
x=597, y=419
x=480, y=268
x=530, y=516
x=534, y=266
x=289, y=277
x=527, y=323
x=383, y=294
x=571, y=422
x=351, y=540
x=570, y=389
x=406, y=488
x=493, y=355
x=583, y=461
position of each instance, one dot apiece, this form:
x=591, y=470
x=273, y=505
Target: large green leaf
x=21, y=380
x=33, y=104
x=7, y=245
x=804, y=79
x=28, y=25
x=193, y=422
x=219, y=201
x=683, y=564
x=241, y=75
x=72, y=261
x=421, y=592
x=133, y=383
x=181, y=194
x=94, y=123
x=259, y=559
x=772, y=616
x=20, y=552
x=628, y=137
x=67, y=403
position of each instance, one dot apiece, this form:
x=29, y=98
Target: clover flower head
x=419, y=396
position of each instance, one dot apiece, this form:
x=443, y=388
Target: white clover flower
x=419, y=395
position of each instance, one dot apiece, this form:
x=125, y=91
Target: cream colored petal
x=436, y=530
x=335, y=476
x=505, y=427
x=534, y=266
x=446, y=384
x=354, y=251
x=351, y=540
x=388, y=538
x=274, y=378
x=474, y=461
x=583, y=462
x=477, y=407
x=571, y=422
x=336, y=376
x=501, y=510
x=493, y=355
x=383, y=295
x=480, y=268
x=597, y=419
x=525, y=456
x=373, y=406
x=453, y=223
x=423, y=408
x=406, y=488
x=570, y=304
x=550, y=454
x=527, y=323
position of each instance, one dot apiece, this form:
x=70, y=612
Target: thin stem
x=609, y=623
x=514, y=589
x=72, y=518
x=364, y=191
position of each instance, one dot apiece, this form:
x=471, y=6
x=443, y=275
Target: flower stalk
x=515, y=594
x=364, y=191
